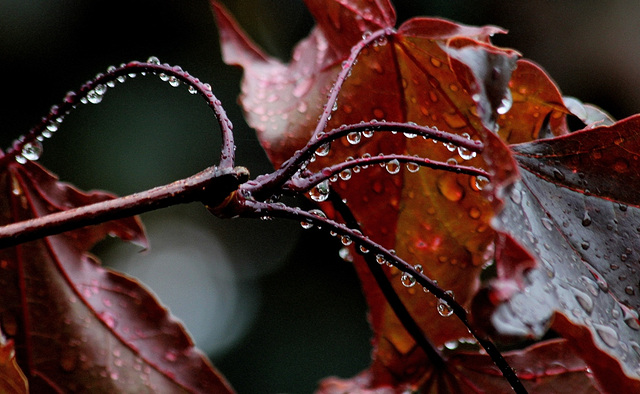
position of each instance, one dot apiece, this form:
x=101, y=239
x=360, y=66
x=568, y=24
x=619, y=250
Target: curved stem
x=210, y=186
x=97, y=86
x=254, y=208
x=305, y=183
x=267, y=185
x=396, y=304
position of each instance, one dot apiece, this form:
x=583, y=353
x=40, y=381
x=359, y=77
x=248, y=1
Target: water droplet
x=52, y=127
x=413, y=167
x=449, y=188
x=608, y=335
x=590, y=285
x=31, y=151
x=354, y=137
x=366, y=156
x=410, y=135
x=443, y=308
x=153, y=60
x=380, y=259
x=368, y=133
x=393, y=166
x=585, y=301
x=346, y=240
x=306, y=225
x=318, y=213
x=465, y=153
x=93, y=97
x=558, y=175
x=479, y=182
x=505, y=103
x=320, y=192
x=621, y=166
x=629, y=290
x=345, y=174
x=173, y=81
x=100, y=89
x=451, y=345
x=449, y=145
x=631, y=318
x=474, y=213
x=435, y=62
x=363, y=249
x=323, y=150
x=547, y=223
x=585, y=245
x=586, y=219
x=192, y=89
x=407, y=280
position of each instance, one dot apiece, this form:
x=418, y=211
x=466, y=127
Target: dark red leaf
x=547, y=367
x=78, y=326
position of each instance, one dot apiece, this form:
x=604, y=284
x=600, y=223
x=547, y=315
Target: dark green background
x=297, y=311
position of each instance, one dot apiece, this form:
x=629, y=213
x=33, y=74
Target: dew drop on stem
x=320, y=192
x=354, y=137
x=413, y=167
x=444, y=309
x=174, y=82
x=345, y=174
x=32, y=150
x=323, y=150
x=393, y=166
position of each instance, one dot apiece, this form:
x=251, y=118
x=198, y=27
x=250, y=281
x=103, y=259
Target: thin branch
x=211, y=186
x=396, y=304
x=254, y=208
x=268, y=184
x=96, y=88
x=304, y=183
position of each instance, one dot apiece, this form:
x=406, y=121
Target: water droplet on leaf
x=608, y=335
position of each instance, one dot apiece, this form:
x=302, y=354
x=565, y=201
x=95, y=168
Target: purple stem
x=268, y=184
x=210, y=186
x=256, y=208
x=72, y=99
x=303, y=184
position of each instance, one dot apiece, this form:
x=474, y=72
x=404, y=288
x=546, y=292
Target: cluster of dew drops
x=32, y=151
x=320, y=193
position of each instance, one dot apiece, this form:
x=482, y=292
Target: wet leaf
x=77, y=326
x=577, y=211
